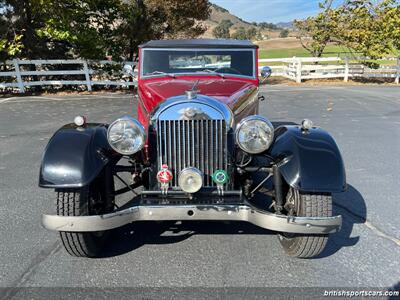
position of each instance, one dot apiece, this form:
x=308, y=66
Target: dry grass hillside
x=279, y=43
x=271, y=41
x=219, y=13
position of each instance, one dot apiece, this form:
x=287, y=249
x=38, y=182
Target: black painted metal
x=204, y=196
x=309, y=160
x=278, y=189
x=199, y=43
x=75, y=156
x=209, y=192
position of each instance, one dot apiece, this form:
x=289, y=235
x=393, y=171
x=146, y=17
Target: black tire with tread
x=308, y=246
x=79, y=244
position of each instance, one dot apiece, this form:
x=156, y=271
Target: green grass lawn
x=330, y=51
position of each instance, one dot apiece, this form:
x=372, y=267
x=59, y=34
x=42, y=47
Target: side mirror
x=265, y=73
x=127, y=69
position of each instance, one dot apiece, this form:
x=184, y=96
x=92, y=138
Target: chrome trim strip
x=207, y=157
x=189, y=154
x=252, y=98
x=198, y=144
x=193, y=145
x=169, y=145
x=218, y=145
x=222, y=150
x=159, y=141
x=164, y=125
x=246, y=213
x=227, y=75
x=212, y=152
x=184, y=144
x=175, y=165
x=179, y=149
x=202, y=156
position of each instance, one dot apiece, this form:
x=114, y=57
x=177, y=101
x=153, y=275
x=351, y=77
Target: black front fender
x=309, y=160
x=74, y=156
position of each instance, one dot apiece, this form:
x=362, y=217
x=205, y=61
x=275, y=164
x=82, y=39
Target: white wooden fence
x=19, y=73
x=301, y=68
x=22, y=77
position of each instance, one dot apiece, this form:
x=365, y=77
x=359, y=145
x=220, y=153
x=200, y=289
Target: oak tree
x=221, y=31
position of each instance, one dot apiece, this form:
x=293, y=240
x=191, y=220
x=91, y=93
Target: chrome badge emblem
x=193, y=113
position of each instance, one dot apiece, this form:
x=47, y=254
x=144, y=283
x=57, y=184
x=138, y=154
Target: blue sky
x=271, y=10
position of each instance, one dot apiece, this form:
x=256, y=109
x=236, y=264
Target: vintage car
x=198, y=150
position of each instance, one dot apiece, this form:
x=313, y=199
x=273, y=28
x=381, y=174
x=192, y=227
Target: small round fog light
x=306, y=124
x=190, y=180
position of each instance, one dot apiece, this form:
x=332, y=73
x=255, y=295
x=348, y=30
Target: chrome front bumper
x=246, y=213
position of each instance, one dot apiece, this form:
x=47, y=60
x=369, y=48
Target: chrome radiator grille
x=192, y=143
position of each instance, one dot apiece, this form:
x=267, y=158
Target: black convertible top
x=199, y=43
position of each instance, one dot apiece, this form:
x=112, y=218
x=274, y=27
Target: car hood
x=232, y=92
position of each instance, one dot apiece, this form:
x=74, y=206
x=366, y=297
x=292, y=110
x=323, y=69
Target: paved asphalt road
x=365, y=121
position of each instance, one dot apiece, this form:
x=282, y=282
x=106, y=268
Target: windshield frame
x=198, y=73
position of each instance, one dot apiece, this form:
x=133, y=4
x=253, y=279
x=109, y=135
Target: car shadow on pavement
x=351, y=206
x=135, y=235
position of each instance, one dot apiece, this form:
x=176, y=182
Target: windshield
x=156, y=62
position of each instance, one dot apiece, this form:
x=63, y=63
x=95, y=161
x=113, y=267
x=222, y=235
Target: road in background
x=365, y=121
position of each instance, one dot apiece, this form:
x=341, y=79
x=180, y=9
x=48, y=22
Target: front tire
x=82, y=202
x=307, y=205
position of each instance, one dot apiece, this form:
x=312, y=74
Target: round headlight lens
x=254, y=134
x=190, y=180
x=126, y=135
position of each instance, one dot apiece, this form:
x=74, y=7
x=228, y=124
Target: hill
x=286, y=25
x=218, y=14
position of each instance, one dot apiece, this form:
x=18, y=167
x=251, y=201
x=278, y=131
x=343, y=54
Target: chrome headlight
x=126, y=135
x=254, y=134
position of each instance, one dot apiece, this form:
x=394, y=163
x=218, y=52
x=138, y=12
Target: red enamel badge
x=164, y=175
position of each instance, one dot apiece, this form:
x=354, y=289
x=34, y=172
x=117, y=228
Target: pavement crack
x=11, y=292
x=370, y=225
x=379, y=232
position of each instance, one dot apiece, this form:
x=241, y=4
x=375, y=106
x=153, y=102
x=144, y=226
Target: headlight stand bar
x=278, y=205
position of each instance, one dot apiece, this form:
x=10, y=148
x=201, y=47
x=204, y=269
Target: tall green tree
x=251, y=33
x=240, y=34
x=221, y=31
x=94, y=28
x=178, y=18
x=372, y=29
x=266, y=25
x=19, y=22
x=367, y=27
x=316, y=32
x=284, y=33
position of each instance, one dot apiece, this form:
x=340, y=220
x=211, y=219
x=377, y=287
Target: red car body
x=232, y=90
